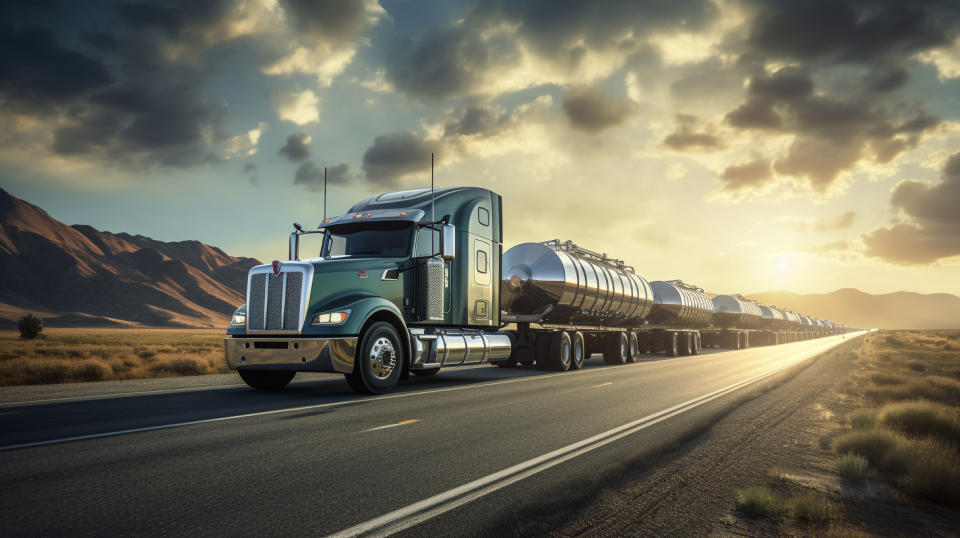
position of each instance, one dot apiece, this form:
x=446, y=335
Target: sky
x=739, y=145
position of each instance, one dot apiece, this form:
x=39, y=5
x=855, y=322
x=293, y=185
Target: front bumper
x=291, y=354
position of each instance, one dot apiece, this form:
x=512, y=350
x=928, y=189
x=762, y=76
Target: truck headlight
x=330, y=318
x=239, y=318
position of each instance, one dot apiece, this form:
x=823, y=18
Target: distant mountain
x=900, y=310
x=79, y=276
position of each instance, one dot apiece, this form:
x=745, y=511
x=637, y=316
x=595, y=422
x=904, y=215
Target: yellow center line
x=408, y=421
x=401, y=423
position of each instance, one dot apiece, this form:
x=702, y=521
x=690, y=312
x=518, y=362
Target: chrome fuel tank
x=559, y=282
x=735, y=311
x=678, y=304
x=772, y=316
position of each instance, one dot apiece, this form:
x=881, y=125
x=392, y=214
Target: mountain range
x=80, y=276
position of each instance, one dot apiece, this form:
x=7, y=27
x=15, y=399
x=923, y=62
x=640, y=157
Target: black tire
x=578, y=351
x=560, y=353
x=379, y=360
x=264, y=380
x=697, y=346
x=425, y=372
x=684, y=343
x=633, y=347
x=616, y=348
x=672, y=347
x=746, y=340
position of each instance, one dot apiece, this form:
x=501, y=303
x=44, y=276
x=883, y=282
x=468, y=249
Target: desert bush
x=862, y=419
x=875, y=445
x=45, y=372
x=894, y=341
x=883, y=378
x=182, y=366
x=853, y=466
x=808, y=507
x=146, y=354
x=757, y=501
x=91, y=370
x=932, y=472
x=916, y=366
x=30, y=326
x=922, y=419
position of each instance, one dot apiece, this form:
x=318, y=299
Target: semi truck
x=414, y=281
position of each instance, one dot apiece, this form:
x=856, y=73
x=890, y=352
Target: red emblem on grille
x=361, y=274
x=276, y=267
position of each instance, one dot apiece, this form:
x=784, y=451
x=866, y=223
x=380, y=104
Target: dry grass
x=853, y=467
x=74, y=355
x=757, y=501
x=809, y=507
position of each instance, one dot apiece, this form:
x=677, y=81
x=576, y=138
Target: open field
x=74, y=355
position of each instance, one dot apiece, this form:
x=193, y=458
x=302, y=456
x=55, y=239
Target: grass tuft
x=922, y=419
x=757, y=501
x=862, y=419
x=809, y=507
x=932, y=472
x=875, y=445
x=853, y=467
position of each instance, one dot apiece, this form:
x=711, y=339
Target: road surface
x=457, y=453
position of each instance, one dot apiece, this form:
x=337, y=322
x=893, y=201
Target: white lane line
x=602, y=384
x=122, y=394
x=356, y=400
x=394, y=425
x=430, y=507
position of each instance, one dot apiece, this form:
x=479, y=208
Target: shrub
x=922, y=419
x=875, y=445
x=91, y=370
x=45, y=371
x=916, y=366
x=809, y=507
x=30, y=326
x=882, y=378
x=853, y=467
x=862, y=419
x=183, y=366
x=932, y=472
x=756, y=501
x=146, y=354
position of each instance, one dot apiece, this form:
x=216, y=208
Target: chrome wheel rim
x=383, y=358
x=623, y=347
x=565, y=352
x=578, y=353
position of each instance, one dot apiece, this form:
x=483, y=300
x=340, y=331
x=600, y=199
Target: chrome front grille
x=274, y=302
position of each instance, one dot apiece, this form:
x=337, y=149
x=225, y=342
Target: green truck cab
x=405, y=282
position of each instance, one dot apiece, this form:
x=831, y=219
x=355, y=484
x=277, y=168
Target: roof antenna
x=324, y=192
x=433, y=217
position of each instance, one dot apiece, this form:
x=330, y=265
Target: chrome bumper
x=291, y=354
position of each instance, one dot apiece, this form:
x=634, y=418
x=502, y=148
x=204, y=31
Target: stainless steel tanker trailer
x=414, y=281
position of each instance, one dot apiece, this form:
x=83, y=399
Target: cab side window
x=428, y=243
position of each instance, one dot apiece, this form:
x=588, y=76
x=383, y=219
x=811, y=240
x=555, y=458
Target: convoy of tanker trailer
x=395, y=290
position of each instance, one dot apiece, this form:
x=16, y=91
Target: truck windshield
x=368, y=240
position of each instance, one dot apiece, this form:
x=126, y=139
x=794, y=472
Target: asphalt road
x=467, y=451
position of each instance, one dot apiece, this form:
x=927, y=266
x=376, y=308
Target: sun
x=783, y=264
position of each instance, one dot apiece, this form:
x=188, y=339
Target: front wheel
x=264, y=380
x=379, y=360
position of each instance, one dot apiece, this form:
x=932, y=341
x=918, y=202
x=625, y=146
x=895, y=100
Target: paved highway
x=466, y=451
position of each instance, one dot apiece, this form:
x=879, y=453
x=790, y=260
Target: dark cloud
x=476, y=121
x=38, y=74
x=297, y=147
x=755, y=114
x=458, y=59
x=250, y=167
x=850, y=30
x=787, y=84
x=311, y=176
x=933, y=229
x=687, y=138
x=750, y=175
x=886, y=79
x=326, y=20
x=395, y=155
x=591, y=109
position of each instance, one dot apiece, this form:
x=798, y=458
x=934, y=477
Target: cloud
x=297, y=147
x=331, y=20
x=590, y=109
x=687, y=138
x=249, y=167
x=245, y=145
x=749, y=175
x=311, y=176
x=476, y=121
x=300, y=108
x=840, y=222
x=931, y=230
x=38, y=74
x=396, y=155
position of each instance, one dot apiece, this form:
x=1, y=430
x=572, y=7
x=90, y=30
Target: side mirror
x=448, y=241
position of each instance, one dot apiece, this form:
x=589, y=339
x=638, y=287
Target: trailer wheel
x=579, y=351
x=263, y=380
x=634, y=348
x=696, y=344
x=379, y=360
x=616, y=348
x=672, y=347
x=561, y=352
x=685, y=343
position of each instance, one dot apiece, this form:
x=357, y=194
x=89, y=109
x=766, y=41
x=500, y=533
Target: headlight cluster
x=330, y=318
x=239, y=317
